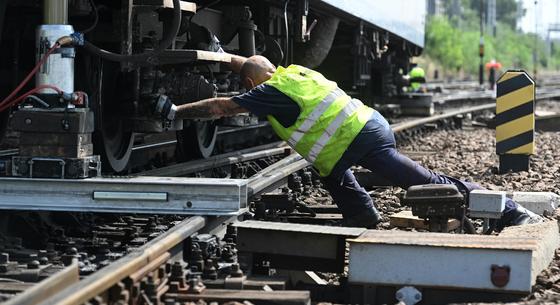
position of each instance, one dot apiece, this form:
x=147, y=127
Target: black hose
x=96, y=17
x=143, y=57
x=287, y=43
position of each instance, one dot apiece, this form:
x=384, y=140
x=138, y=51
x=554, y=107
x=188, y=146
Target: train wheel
x=4, y=116
x=117, y=146
x=197, y=140
x=111, y=139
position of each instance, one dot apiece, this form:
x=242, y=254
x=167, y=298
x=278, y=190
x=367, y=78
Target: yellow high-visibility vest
x=329, y=119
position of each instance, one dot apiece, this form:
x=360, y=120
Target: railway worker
x=328, y=128
x=416, y=77
x=492, y=66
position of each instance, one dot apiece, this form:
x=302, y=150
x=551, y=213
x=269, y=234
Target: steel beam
x=151, y=195
x=294, y=246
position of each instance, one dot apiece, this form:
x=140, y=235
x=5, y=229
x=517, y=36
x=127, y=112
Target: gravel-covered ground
x=469, y=154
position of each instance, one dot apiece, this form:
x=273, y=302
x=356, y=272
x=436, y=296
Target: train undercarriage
x=134, y=51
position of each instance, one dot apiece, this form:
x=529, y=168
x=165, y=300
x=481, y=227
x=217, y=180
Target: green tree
x=452, y=41
x=506, y=10
x=443, y=42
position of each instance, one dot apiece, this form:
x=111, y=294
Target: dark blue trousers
x=374, y=148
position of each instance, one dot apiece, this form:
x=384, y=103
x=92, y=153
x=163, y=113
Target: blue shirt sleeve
x=266, y=100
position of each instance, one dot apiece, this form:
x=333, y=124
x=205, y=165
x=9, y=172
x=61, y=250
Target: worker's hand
x=165, y=108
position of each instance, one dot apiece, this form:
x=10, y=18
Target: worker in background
x=416, y=78
x=331, y=130
x=492, y=66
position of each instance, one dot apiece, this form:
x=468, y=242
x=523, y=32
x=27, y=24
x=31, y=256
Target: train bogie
x=136, y=51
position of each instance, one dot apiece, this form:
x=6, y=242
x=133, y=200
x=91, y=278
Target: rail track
x=131, y=259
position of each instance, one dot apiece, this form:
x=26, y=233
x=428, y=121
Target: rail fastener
x=99, y=282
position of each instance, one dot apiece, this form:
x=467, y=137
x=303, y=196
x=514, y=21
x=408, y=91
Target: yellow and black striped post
x=515, y=120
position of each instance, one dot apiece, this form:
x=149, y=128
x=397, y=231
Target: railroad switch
x=436, y=203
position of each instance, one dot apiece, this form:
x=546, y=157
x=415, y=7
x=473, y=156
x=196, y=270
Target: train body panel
x=404, y=18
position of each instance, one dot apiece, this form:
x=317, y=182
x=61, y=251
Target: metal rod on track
x=273, y=177
x=104, y=279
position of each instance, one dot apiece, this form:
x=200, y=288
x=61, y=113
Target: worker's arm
x=212, y=108
x=236, y=63
x=206, y=109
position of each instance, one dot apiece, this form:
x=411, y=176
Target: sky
x=548, y=11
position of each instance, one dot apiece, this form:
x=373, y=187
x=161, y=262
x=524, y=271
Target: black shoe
x=519, y=216
x=366, y=219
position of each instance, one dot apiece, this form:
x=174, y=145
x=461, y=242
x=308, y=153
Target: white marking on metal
x=130, y=196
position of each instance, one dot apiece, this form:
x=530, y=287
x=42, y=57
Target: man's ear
x=248, y=83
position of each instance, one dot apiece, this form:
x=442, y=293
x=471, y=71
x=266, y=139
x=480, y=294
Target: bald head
x=255, y=71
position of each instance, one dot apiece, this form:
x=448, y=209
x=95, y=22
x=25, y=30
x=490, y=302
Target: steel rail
x=541, y=94
x=399, y=127
x=186, y=168
x=276, y=166
x=547, y=94
x=275, y=175
x=47, y=287
x=104, y=279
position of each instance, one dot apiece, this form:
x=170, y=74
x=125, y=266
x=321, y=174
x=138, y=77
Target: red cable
x=28, y=77
x=28, y=93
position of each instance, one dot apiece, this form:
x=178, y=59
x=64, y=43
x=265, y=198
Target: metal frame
x=288, y=246
x=151, y=195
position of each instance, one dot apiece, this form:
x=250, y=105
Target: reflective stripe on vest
x=314, y=116
x=329, y=119
x=345, y=113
